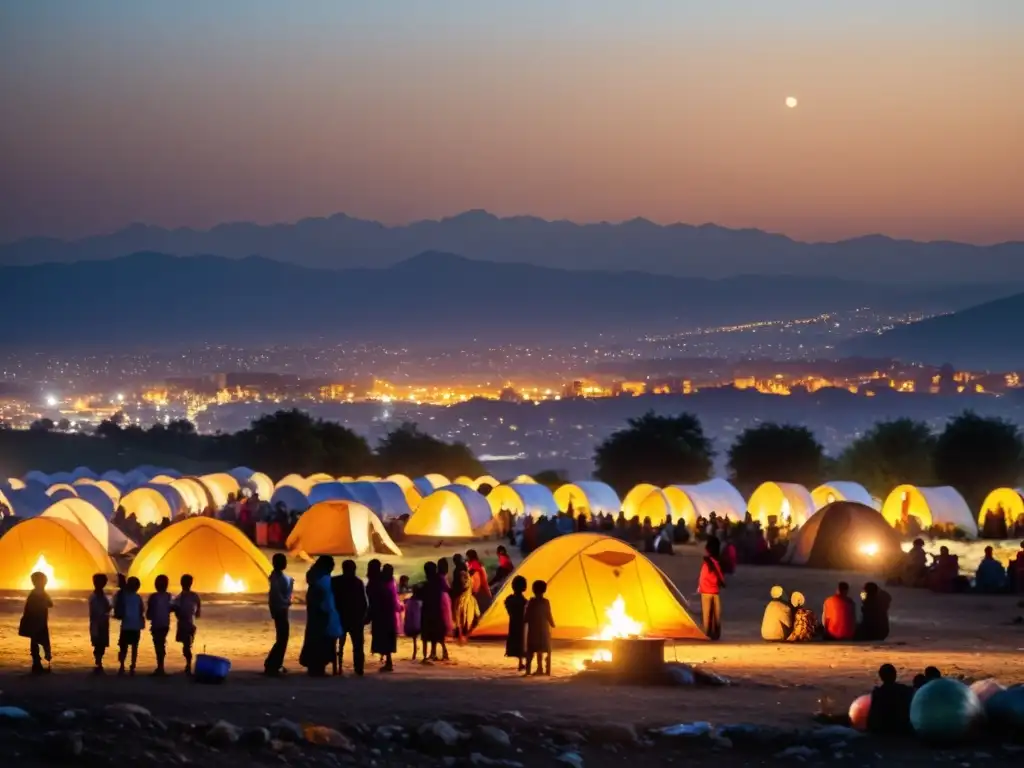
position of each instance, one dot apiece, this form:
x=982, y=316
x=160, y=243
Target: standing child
x=158, y=611
x=515, y=605
x=133, y=621
x=539, y=623
x=709, y=586
x=99, y=620
x=403, y=585
x=414, y=619
x=188, y=607
x=35, y=623
x=467, y=609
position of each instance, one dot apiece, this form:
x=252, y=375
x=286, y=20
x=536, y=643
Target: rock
x=223, y=734
x=491, y=737
x=798, y=752
x=286, y=730
x=14, y=713
x=255, y=737
x=135, y=710
x=323, y=736
x=64, y=745
x=572, y=738
x=571, y=758
x=389, y=733
x=439, y=735
x=486, y=762
x=836, y=733
x=721, y=742
x=614, y=733
x=448, y=762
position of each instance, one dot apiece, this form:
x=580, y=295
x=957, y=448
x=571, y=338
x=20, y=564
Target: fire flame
x=232, y=586
x=42, y=566
x=618, y=625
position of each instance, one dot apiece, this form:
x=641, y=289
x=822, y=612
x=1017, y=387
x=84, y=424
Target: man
x=890, y=704
x=281, y=587
x=839, y=615
x=874, y=614
x=777, y=622
x=350, y=599
x=991, y=576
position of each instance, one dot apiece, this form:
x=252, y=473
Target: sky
x=910, y=119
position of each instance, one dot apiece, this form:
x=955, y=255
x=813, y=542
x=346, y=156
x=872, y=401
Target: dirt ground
x=964, y=635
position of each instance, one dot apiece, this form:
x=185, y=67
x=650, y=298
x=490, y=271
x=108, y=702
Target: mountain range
x=343, y=242
x=154, y=298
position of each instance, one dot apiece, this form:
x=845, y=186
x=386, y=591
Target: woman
x=805, y=621
x=478, y=579
x=385, y=611
x=505, y=569
x=711, y=582
x=434, y=623
x=323, y=627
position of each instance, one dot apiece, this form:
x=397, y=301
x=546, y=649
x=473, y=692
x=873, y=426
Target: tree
x=782, y=453
x=975, y=454
x=42, y=425
x=551, y=478
x=409, y=451
x=64, y=425
x=889, y=454
x=661, y=450
x=292, y=441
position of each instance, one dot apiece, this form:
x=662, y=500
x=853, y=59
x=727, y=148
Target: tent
x=293, y=499
x=27, y=502
x=394, y=501
x=35, y=476
x=16, y=483
x=260, y=484
x=469, y=482
x=589, y=497
x=147, y=505
x=113, y=492
x=216, y=554
x=452, y=512
x=786, y=502
x=939, y=507
x=193, y=493
x=85, y=514
x=688, y=502
x=635, y=497
x=319, y=477
x=841, y=490
x=295, y=481
x=402, y=481
x=83, y=473
x=845, y=536
x=95, y=495
x=115, y=477
x=423, y=486
x=65, y=488
x=1009, y=500
x=488, y=481
x=340, y=528
x=523, y=480
x=65, y=551
x=220, y=486
x=522, y=500
x=586, y=573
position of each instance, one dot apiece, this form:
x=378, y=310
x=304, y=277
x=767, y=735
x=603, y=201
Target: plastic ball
x=944, y=710
x=859, y=712
x=1005, y=711
x=985, y=689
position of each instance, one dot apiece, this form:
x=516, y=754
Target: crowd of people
x=790, y=620
x=943, y=574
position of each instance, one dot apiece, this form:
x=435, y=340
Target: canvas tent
x=79, y=511
x=149, y=504
x=523, y=500
x=845, y=536
x=635, y=498
x=939, y=507
x=294, y=481
x=585, y=574
x=785, y=502
x=293, y=499
x=65, y=551
x=96, y=496
x=220, y=486
x=1009, y=500
x=841, y=490
x=588, y=497
x=217, y=555
x=688, y=502
x=340, y=528
x=452, y=512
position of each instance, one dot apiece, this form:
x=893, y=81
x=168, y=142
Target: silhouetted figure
x=133, y=621
x=351, y=599
x=890, y=704
x=323, y=626
x=874, y=625
x=35, y=623
x=709, y=586
x=99, y=620
x=188, y=608
x=839, y=615
x=158, y=613
x=539, y=623
x=515, y=606
x=279, y=602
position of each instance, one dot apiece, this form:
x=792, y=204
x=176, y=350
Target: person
x=991, y=576
x=350, y=600
x=158, y=614
x=433, y=623
x=874, y=613
x=403, y=585
x=709, y=586
x=504, y=570
x=805, y=623
x=932, y=673
x=99, y=620
x=280, y=600
x=539, y=623
x=187, y=607
x=729, y=556
x=323, y=626
x=133, y=621
x=515, y=606
x=915, y=565
x=839, y=615
x=413, y=622
x=385, y=616
x=35, y=623
x=777, y=622
x=944, y=571
x=890, y=704
x=467, y=609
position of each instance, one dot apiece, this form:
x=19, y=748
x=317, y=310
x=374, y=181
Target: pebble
x=487, y=762
x=323, y=736
x=439, y=735
x=491, y=736
x=798, y=752
x=256, y=737
x=223, y=734
x=571, y=758
x=286, y=730
x=614, y=733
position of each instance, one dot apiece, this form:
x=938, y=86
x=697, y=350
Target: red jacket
x=711, y=578
x=839, y=618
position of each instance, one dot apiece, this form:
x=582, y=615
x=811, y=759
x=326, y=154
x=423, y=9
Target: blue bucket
x=211, y=669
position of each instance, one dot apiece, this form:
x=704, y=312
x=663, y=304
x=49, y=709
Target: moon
x=791, y=102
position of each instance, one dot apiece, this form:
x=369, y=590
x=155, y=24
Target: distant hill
x=149, y=297
x=709, y=251
x=987, y=336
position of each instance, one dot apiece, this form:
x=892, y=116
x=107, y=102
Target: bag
x=25, y=627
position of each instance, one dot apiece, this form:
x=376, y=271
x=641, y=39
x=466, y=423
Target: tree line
x=974, y=454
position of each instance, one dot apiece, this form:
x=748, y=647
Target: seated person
x=890, y=704
x=874, y=609
x=990, y=577
x=839, y=615
x=805, y=622
x=915, y=565
x=777, y=622
x=944, y=571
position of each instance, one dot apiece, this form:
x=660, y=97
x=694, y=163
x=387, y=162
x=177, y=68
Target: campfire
x=232, y=586
x=42, y=566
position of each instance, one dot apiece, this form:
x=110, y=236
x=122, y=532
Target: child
x=414, y=619
x=158, y=611
x=539, y=623
x=133, y=621
x=403, y=585
x=188, y=607
x=35, y=623
x=99, y=620
x=467, y=609
x=515, y=605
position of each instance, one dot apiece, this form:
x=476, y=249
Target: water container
x=211, y=669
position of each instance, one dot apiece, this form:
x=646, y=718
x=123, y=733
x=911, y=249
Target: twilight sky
x=911, y=115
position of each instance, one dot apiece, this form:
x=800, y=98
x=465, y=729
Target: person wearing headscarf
x=777, y=622
x=875, y=604
x=323, y=625
x=805, y=621
x=385, y=611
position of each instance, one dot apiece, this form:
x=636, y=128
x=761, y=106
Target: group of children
x=128, y=608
